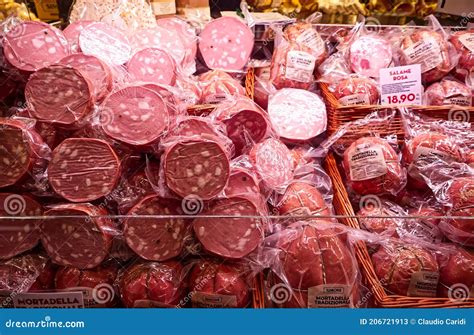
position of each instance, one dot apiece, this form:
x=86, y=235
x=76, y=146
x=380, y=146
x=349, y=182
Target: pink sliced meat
x=161, y=38
x=82, y=242
x=226, y=43
x=187, y=34
x=83, y=169
x=33, y=45
x=106, y=43
x=156, y=239
x=196, y=126
x=245, y=122
x=170, y=97
x=273, y=162
x=18, y=236
x=152, y=65
x=198, y=168
x=21, y=150
x=134, y=115
x=59, y=94
x=297, y=115
x=72, y=33
x=96, y=71
x=234, y=237
x=369, y=54
x=243, y=182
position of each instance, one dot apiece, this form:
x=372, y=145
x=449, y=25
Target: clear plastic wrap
x=463, y=42
x=448, y=92
x=456, y=269
x=356, y=90
x=218, y=86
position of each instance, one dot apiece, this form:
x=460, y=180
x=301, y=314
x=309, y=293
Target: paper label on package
x=423, y=284
x=458, y=100
x=207, y=300
x=150, y=304
x=401, y=85
x=215, y=98
x=300, y=66
x=355, y=99
x=312, y=40
x=366, y=162
x=429, y=231
x=468, y=41
x=426, y=53
x=49, y=300
x=163, y=7
x=329, y=296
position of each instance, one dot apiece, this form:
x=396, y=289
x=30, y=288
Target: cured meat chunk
x=369, y=54
x=72, y=33
x=161, y=38
x=152, y=65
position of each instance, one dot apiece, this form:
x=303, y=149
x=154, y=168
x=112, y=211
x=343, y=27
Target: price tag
x=401, y=85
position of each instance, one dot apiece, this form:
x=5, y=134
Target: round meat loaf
x=22, y=150
x=381, y=218
x=398, y=266
x=226, y=43
x=156, y=239
x=306, y=120
x=370, y=53
x=59, y=94
x=83, y=169
x=305, y=33
x=72, y=33
x=134, y=115
x=32, y=45
x=463, y=42
x=373, y=167
x=234, y=237
x=96, y=71
x=82, y=242
x=18, y=236
x=217, y=86
x=152, y=65
x=456, y=270
x=153, y=284
x=213, y=284
x=357, y=91
x=198, y=168
x=302, y=198
x=448, y=92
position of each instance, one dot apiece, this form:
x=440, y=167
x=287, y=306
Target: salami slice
x=170, y=97
x=273, y=162
x=161, y=38
x=234, y=237
x=245, y=122
x=18, y=236
x=106, y=43
x=156, y=239
x=134, y=115
x=20, y=151
x=97, y=72
x=152, y=65
x=33, y=45
x=369, y=54
x=243, y=182
x=83, y=169
x=198, y=168
x=226, y=43
x=81, y=242
x=72, y=33
x=59, y=94
x=297, y=115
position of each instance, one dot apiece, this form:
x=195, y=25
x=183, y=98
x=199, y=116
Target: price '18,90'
x=401, y=99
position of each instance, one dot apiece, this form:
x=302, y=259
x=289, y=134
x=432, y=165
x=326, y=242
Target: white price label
x=401, y=85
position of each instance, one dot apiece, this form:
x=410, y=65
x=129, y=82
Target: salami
x=302, y=198
x=152, y=65
x=83, y=169
x=72, y=33
x=59, y=94
x=243, y=182
x=463, y=42
x=106, y=43
x=134, y=115
x=161, y=38
x=245, y=122
x=448, y=92
x=33, y=45
x=153, y=284
x=226, y=43
x=18, y=235
x=81, y=242
x=155, y=239
x=370, y=53
x=197, y=168
x=306, y=120
x=215, y=284
x=273, y=162
x=217, y=86
x=234, y=237
x=357, y=91
x=21, y=150
x=96, y=71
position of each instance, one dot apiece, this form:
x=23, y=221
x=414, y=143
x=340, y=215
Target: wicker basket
x=343, y=207
x=339, y=115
